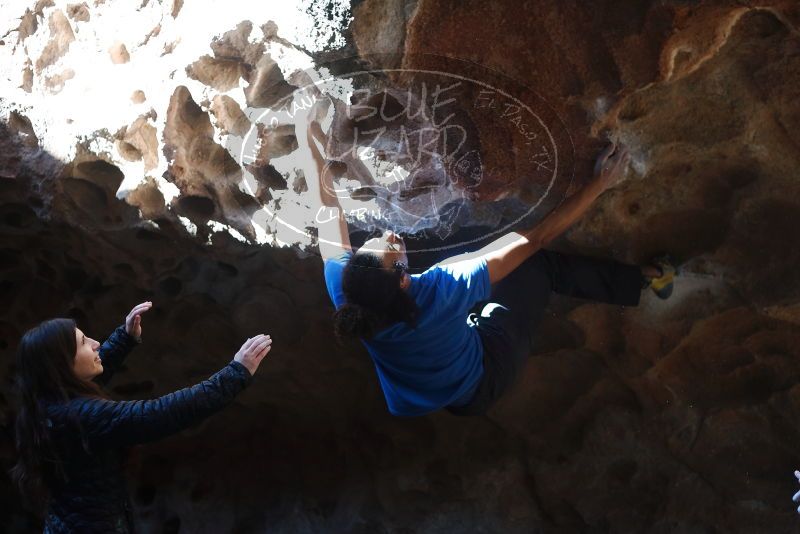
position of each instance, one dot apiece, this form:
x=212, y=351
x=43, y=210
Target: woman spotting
x=71, y=438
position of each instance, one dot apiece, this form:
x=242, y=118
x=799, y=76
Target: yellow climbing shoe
x=664, y=284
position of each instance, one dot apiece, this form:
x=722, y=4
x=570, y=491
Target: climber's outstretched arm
x=508, y=252
x=332, y=233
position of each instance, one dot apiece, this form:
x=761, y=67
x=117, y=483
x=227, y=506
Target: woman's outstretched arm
x=105, y=423
x=508, y=252
x=332, y=233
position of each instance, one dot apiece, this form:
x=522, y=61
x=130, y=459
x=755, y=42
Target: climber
x=71, y=438
x=429, y=351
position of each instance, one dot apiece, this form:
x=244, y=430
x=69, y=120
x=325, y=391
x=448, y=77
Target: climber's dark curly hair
x=374, y=298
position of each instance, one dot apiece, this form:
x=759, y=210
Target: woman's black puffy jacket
x=91, y=435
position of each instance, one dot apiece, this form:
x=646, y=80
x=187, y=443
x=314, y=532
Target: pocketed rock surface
x=674, y=416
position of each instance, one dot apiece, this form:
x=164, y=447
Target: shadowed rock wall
x=677, y=416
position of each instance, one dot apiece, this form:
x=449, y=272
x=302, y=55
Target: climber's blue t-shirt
x=440, y=362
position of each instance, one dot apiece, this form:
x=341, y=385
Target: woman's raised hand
x=133, y=321
x=253, y=351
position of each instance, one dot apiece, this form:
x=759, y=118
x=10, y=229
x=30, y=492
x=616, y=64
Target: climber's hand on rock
x=253, y=351
x=320, y=109
x=611, y=165
x=302, y=115
x=301, y=129
x=796, y=497
x=133, y=321
x=315, y=129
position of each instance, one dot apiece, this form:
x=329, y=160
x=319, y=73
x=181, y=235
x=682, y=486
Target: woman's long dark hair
x=374, y=298
x=45, y=359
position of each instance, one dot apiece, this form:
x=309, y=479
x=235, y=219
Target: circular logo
x=426, y=152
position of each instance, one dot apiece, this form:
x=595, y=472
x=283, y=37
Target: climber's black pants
x=517, y=305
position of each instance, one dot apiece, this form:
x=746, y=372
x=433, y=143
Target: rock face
x=676, y=416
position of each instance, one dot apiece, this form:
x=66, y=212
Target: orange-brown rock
x=673, y=416
x=119, y=53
